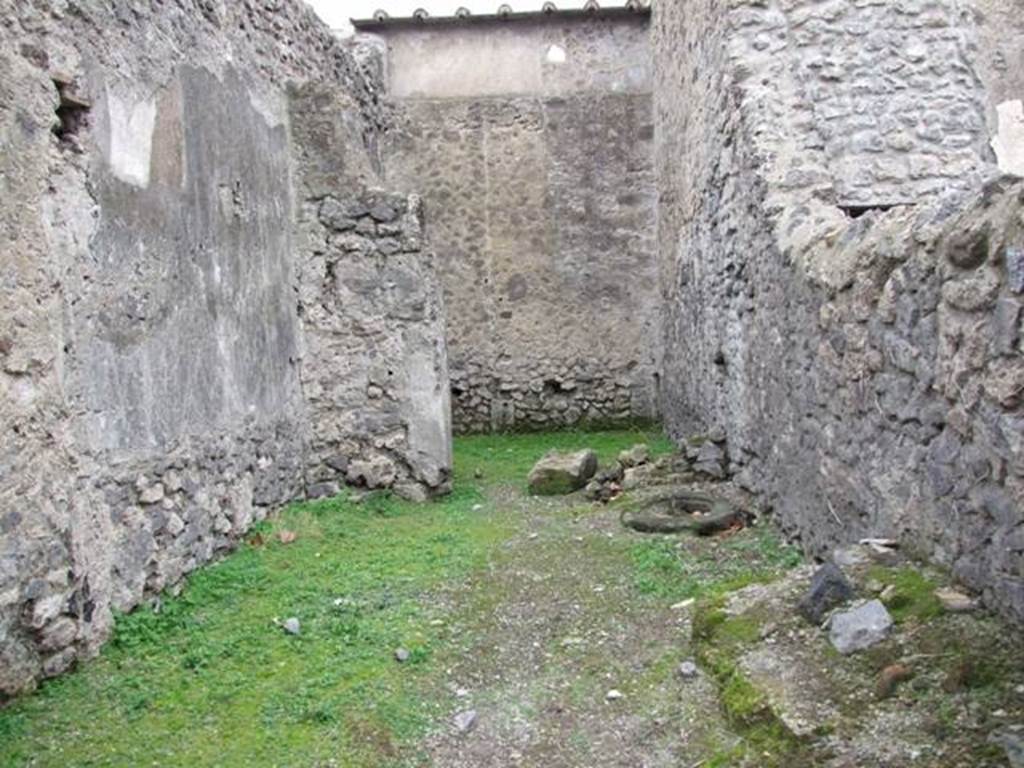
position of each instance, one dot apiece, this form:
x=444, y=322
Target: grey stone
x=46, y=609
x=860, y=628
x=561, y=473
x=687, y=670
x=292, y=626
x=401, y=655
x=152, y=494
x=374, y=472
x=465, y=721
x=1014, y=258
x=334, y=216
x=326, y=490
x=174, y=524
x=955, y=601
x=829, y=588
x=414, y=492
x=59, y=663
x=58, y=634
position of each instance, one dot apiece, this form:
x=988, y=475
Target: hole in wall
x=553, y=387
x=72, y=112
x=856, y=211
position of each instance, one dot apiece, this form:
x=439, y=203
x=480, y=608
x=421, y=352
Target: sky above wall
x=337, y=12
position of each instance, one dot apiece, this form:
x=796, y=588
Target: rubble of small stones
x=635, y=468
x=868, y=685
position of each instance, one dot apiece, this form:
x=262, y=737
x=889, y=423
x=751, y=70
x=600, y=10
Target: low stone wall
x=865, y=363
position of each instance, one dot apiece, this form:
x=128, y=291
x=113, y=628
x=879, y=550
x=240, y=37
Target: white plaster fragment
x=131, y=138
x=1009, y=143
x=556, y=55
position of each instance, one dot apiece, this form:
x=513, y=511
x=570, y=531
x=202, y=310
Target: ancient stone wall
x=531, y=142
x=374, y=358
x=867, y=370
x=164, y=364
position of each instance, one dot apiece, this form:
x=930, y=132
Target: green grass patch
x=913, y=594
x=678, y=568
x=508, y=459
x=213, y=680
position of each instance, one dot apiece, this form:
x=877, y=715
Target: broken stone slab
x=860, y=628
x=789, y=675
x=560, y=473
x=829, y=588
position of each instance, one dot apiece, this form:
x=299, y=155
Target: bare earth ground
x=553, y=626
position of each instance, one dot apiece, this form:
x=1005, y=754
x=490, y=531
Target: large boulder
x=560, y=473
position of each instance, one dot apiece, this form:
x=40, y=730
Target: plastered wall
x=531, y=142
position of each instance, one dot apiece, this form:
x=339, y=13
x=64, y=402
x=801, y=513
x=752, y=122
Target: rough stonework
x=173, y=366
x=867, y=371
x=374, y=366
x=531, y=143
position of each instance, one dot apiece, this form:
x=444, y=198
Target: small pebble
x=401, y=655
x=292, y=626
x=613, y=695
x=465, y=721
x=687, y=670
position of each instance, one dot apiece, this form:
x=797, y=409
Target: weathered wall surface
x=374, y=362
x=531, y=144
x=158, y=388
x=868, y=372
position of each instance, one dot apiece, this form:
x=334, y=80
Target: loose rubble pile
x=665, y=499
x=867, y=660
x=703, y=458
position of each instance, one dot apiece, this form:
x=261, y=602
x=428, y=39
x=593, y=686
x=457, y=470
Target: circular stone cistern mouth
x=680, y=511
